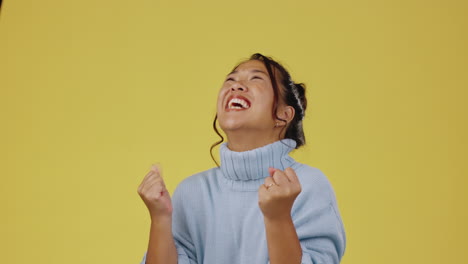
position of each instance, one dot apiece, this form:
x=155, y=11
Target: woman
x=259, y=206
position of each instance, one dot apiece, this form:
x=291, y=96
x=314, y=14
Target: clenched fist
x=276, y=196
x=153, y=192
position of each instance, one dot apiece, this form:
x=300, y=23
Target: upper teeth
x=242, y=102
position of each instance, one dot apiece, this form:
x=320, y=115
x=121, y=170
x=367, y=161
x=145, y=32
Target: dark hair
x=293, y=94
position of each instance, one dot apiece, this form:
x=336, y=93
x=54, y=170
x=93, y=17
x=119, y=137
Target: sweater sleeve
x=182, y=257
x=180, y=230
x=317, y=220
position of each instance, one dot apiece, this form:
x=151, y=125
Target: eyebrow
x=254, y=70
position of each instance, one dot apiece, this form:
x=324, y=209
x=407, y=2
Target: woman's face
x=246, y=99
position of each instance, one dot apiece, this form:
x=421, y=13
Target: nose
x=237, y=86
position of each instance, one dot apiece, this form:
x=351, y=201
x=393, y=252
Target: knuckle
x=299, y=189
x=152, y=197
x=287, y=191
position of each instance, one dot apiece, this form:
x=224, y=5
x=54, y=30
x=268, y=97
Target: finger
x=144, y=181
x=280, y=178
x=154, y=171
x=148, y=175
x=157, y=168
x=154, y=187
x=151, y=181
x=154, y=177
x=291, y=174
x=269, y=181
x=151, y=178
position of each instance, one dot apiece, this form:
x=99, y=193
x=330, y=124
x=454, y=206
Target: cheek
x=267, y=101
x=221, y=96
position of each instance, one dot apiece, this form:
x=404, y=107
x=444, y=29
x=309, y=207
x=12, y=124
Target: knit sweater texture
x=217, y=220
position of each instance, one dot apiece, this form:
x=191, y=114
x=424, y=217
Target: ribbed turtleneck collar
x=252, y=165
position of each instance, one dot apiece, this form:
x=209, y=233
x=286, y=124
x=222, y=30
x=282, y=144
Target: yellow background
x=94, y=92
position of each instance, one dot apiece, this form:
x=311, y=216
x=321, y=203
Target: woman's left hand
x=276, y=196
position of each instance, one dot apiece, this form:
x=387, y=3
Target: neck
x=247, y=170
x=247, y=140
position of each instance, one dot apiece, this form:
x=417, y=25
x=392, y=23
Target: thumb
x=156, y=167
x=167, y=199
x=271, y=171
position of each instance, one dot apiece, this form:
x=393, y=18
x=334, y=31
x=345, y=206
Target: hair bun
x=301, y=90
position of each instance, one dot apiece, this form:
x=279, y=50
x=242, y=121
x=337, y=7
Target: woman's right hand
x=154, y=194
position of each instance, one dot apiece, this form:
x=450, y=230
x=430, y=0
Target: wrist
x=161, y=220
x=278, y=219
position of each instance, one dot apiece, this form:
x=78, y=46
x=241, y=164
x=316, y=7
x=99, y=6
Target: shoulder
x=314, y=183
x=317, y=197
x=197, y=184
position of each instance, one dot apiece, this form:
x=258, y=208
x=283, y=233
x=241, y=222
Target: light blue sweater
x=217, y=220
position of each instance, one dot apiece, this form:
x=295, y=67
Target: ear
x=286, y=112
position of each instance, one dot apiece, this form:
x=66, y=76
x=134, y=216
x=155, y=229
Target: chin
x=230, y=125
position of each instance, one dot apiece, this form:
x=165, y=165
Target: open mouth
x=238, y=103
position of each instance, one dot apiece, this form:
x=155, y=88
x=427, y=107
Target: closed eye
x=257, y=77
x=229, y=79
